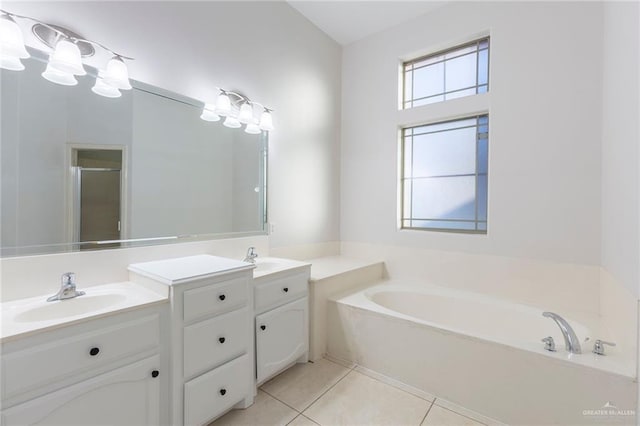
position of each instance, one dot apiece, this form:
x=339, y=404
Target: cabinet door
x=127, y=396
x=282, y=336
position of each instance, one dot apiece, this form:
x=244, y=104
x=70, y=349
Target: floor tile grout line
x=281, y=401
x=323, y=393
x=330, y=387
x=427, y=413
x=395, y=386
x=458, y=413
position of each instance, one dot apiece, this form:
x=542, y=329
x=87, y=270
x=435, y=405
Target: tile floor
x=327, y=393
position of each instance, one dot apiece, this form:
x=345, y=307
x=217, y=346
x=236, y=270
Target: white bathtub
x=482, y=353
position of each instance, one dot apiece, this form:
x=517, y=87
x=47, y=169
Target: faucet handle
x=598, y=346
x=68, y=278
x=549, y=344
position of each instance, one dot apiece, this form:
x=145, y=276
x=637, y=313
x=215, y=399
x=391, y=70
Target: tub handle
x=549, y=344
x=598, y=346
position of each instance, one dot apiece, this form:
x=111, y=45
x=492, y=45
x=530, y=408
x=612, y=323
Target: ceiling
x=349, y=21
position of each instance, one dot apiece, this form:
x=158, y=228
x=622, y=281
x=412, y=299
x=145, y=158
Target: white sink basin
x=35, y=314
x=271, y=265
x=71, y=307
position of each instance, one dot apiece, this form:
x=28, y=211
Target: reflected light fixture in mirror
x=58, y=77
x=252, y=129
x=246, y=113
x=209, y=113
x=102, y=88
x=231, y=122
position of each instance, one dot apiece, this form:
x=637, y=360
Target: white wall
x=620, y=144
x=544, y=140
x=266, y=50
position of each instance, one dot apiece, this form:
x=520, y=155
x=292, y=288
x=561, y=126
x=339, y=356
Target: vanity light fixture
x=117, y=74
x=266, y=121
x=223, y=103
x=11, y=44
x=65, y=61
x=238, y=110
x=246, y=113
x=66, y=58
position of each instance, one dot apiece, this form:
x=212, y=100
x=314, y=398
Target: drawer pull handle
x=286, y=289
x=263, y=327
x=221, y=340
x=222, y=297
x=223, y=391
x=94, y=351
x=155, y=373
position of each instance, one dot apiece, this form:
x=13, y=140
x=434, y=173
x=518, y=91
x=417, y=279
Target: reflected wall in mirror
x=81, y=171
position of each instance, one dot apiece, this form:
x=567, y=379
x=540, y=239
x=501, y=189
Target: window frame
x=476, y=42
x=402, y=179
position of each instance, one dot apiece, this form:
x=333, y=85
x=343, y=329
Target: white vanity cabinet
x=282, y=321
x=103, y=371
x=210, y=337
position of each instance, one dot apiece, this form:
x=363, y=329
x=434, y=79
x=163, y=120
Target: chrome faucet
x=251, y=255
x=571, y=341
x=67, y=288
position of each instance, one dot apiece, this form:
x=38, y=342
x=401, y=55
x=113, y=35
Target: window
x=444, y=175
x=453, y=73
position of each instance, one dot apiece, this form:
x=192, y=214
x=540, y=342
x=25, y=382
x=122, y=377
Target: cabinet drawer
x=280, y=291
x=40, y=365
x=215, y=299
x=213, y=393
x=209, y=343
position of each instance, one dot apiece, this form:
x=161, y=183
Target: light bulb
x=223, y=104
x=209, y=114
x=266, y=121
x=11, y=41
x=55, y=76
x=252, y=129
x=102, y=88
x=66, y=58
x=231, y=122
x=246, y=113
x=117, y=74
x=11, y=63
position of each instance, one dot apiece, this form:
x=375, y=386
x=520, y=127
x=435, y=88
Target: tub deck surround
x=454, y=344
x=331, y=266
x=331, y=275
x=24, y=317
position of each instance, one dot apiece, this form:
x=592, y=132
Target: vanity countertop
x=184, y=269
x=24, y=317
x=268, y=267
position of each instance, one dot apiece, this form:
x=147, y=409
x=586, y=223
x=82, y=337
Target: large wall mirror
x=85, y=172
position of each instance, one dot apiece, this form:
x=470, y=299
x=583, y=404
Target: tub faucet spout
x=570, y=339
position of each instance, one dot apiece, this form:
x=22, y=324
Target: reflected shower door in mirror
x=81, y=171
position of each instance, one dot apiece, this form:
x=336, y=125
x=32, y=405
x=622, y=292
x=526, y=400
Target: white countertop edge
x=144, y=298
x=179, y=281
